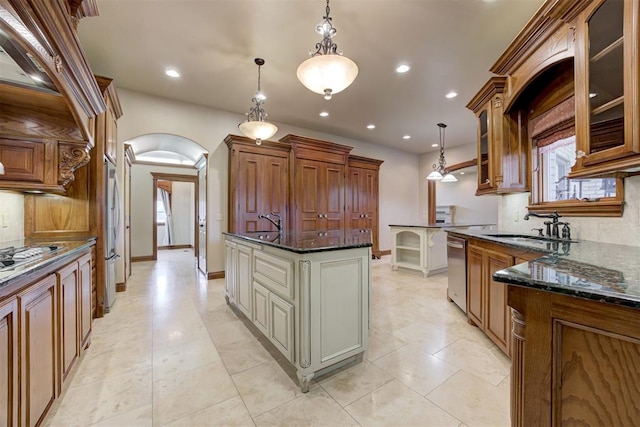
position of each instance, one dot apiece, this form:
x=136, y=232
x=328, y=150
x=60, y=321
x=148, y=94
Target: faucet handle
x=566, y=231
x=540, y=231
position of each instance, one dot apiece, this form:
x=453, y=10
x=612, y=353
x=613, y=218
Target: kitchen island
x=308, y=293
x=422, y=247
x=576, y=336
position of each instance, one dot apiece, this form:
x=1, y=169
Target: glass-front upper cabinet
x=484, y=182
x=607, y=92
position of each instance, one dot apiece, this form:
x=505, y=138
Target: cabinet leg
x=304, y=380
x=226, y=297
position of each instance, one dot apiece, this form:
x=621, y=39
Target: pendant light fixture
x=440, y=172
x=327, y=72
x=256, y=127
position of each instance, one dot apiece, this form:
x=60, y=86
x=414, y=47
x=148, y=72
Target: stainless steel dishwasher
x=457, y=271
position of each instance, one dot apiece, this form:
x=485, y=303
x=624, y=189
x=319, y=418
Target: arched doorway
x=157, y=156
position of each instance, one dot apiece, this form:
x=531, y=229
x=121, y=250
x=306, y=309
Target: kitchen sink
x=528, y=238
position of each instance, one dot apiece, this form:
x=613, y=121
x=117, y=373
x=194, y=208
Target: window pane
x=557, y=159
x=160, y=213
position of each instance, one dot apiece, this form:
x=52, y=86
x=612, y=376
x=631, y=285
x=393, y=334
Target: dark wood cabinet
x=258, y=183
x=487, y=299
x=319, y=195
x=607, y=85
x=316, y=187
x=362, y=197
x=39, y=340
x=9, y=363
x=69, y=299
x=502, y=147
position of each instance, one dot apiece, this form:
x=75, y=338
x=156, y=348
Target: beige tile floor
x=173, y=353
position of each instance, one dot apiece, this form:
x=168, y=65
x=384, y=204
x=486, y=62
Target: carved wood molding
x=70, y=158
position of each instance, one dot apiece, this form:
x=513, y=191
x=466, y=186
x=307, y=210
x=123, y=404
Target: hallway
x=172, y=352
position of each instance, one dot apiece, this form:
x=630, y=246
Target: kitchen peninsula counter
x=308, y=293
x=576, y=332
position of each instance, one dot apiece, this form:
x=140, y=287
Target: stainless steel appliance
x=12, y=257
x=444, y=214
x=457, y=271
x=111, y=233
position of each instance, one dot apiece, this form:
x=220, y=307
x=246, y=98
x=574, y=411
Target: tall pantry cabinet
x=320, y=188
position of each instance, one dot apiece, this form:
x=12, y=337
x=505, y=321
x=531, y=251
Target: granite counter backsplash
x=597, y=271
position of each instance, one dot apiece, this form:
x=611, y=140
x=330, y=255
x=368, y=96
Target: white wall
x=624, y=230
x=142, y=209
x=182, y=210
x=143, y=114
x=11, y=217
x=469, y=207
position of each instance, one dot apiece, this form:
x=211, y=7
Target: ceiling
x=449, y=45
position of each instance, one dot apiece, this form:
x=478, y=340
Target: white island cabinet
x=307, y=293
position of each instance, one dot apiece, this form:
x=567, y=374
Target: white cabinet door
x=260, y=316
x=244, y=279
x=230, y=271
x=281, y=327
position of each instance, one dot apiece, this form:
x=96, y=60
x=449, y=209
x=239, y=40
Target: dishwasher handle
x=455, y=245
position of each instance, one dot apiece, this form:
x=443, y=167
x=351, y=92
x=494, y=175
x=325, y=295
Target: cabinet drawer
x=275, y=273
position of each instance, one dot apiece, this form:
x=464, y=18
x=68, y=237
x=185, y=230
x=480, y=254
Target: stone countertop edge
x=596, y=271
x=71, y=247
x=264, y=238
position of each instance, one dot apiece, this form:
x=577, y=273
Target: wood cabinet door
x=320, y=196
x=38, y=310
x=22, y=160
x=262, y=188
x=9, y=363
x=68, y=294
x=498, y=319
x=260, y=315
x=333, y=196
x=281, y=325
x=84, y=299
x=475, y=293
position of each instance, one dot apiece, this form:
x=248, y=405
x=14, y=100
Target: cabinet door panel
x=22, y=160
x=230, y=271
x=248, y=191
x=243, y=279
x=38, y=350
x=281, y=327
x=84, y=265
x=260, y=315
x=9, y=363
x=69, y=319
x=333, y=190
x=498, y=320
x=475, y=297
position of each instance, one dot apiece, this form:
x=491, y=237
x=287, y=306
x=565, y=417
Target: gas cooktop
x=13, y=257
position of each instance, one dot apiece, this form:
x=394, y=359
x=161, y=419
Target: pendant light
x=256, y=127
x=440, y=172
x=327, y=72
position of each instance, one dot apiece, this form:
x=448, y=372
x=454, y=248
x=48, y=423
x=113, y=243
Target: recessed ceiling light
x=451, y=95
x=434, y=145
x=172, y=73
x=461, y=173
x=406, y=137
x=403, y=68
x=371, y=126
x=593, y=95
x=324, y=114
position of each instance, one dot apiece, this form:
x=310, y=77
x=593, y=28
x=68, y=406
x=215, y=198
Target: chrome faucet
x=277, y=222
x=552, y=226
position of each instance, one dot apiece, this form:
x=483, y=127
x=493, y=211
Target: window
x=556, y=159
x=161, y=215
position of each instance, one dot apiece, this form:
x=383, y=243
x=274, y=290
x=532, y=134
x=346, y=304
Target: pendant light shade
x=440, y=172
x=327, y=72
x=256, y=126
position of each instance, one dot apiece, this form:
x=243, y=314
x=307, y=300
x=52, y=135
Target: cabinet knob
x=319, y=215
x=580, y=154
x=325, y=215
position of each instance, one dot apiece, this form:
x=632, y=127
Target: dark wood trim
x=121, y=287
x=215, y=275
x=142, y=258
x=462, y=165
x=162, y=165
x=176, y=247
x=431, y=201
x=387, y=252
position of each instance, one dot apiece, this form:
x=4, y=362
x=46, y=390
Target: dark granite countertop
x=309, y=241
x=66, y=248
x=440, y=225
x=592, y=270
